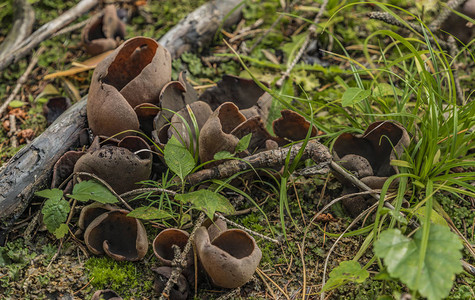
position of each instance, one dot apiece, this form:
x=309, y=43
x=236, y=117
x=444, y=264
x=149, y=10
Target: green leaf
x=347, y=271
x=149, y=213
x=207, y=201
x=223, y=155
x=384, y=90
x=55, y=194
x=353, y=96
x=441, y=262
x=55, y=212
x=16, y=103
x=243, y=143
x=92, y=190
x=178, y=158
x=61, y=231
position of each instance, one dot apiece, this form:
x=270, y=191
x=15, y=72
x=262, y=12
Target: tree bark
x=31, y=168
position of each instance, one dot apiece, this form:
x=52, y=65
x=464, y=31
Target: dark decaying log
x=30, y=169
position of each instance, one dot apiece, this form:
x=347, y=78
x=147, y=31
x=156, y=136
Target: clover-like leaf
x=61, y=231
x=347, y=271
x=178, y=158
x=207, y=201
x=441, y=262
x=55, y=194
x=55, y=212
x=243, y=143
x=353, y=96
x=149, y=213
x=92, y=190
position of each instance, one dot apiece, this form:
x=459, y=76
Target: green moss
x=126, y=278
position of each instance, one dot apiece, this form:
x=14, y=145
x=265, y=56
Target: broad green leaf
x=441, y=262
x=92, y=190
x=243, y=143
x=178, y=158
x=223, y=155
x=353, y=96
x=16, y=103
x=347, y=271
x=207, y=201
x=55, y=194
x=149, y=213
x=61, y=231
x=55, y=212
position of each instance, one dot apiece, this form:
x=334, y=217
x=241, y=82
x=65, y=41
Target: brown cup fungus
x=118, y=236
x=103, y=32
x=230, y=259
x=120, y=163
x=368, y=157
x=128, y=80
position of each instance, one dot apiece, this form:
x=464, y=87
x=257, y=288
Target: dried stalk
x=12, y=132
x=311, y=34
x=247, y=230
x=267, y=159
x=46, y=31
x=22, y=79
x=181, y=262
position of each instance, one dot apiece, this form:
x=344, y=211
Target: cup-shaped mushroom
x=106, y=295
x=231, y=259
x=119, y=236
x=55, y=107
x=244, y=93
x=381, y=142
x=179, y=290
x=215, y=227
x=163, y=245
x=103, y=32
x=292, y=126
x=132, y=75
x=92, y=211
x=121, y=166
x=215, y=136
x=64, y=167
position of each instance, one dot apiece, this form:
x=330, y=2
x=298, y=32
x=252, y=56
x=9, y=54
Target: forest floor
x=36, y=265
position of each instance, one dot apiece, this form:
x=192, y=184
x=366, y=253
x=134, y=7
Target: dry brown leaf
x=86, y=65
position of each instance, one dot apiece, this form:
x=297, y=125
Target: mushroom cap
x=118, y=165
x=292, y=126
x=215, y=136
x=64, y=167
x=163, y=242
x=132, y=75
x=119, y=236
x=103, y=32
x=179, y=291
x=231, y=259
x=92, y=211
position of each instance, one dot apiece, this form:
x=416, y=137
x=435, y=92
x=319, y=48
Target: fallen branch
x=22, y=80
x=267, y=159
x=22, y=26
x=45, y=32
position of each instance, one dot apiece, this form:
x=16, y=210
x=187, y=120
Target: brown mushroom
x=92, y=211
x=64, y=167
x=119, y=236
x=132, y=75
x=292, y=126
x=163, y=242
x=103, y=32
x=179, y=290
x=105, y=295
x=55, y=107
x=368, y=157
x=230, y=259
x=119, y=165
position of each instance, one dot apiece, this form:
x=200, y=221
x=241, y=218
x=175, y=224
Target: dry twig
x=267, y=159
x=46, y=31
x=22, y=79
